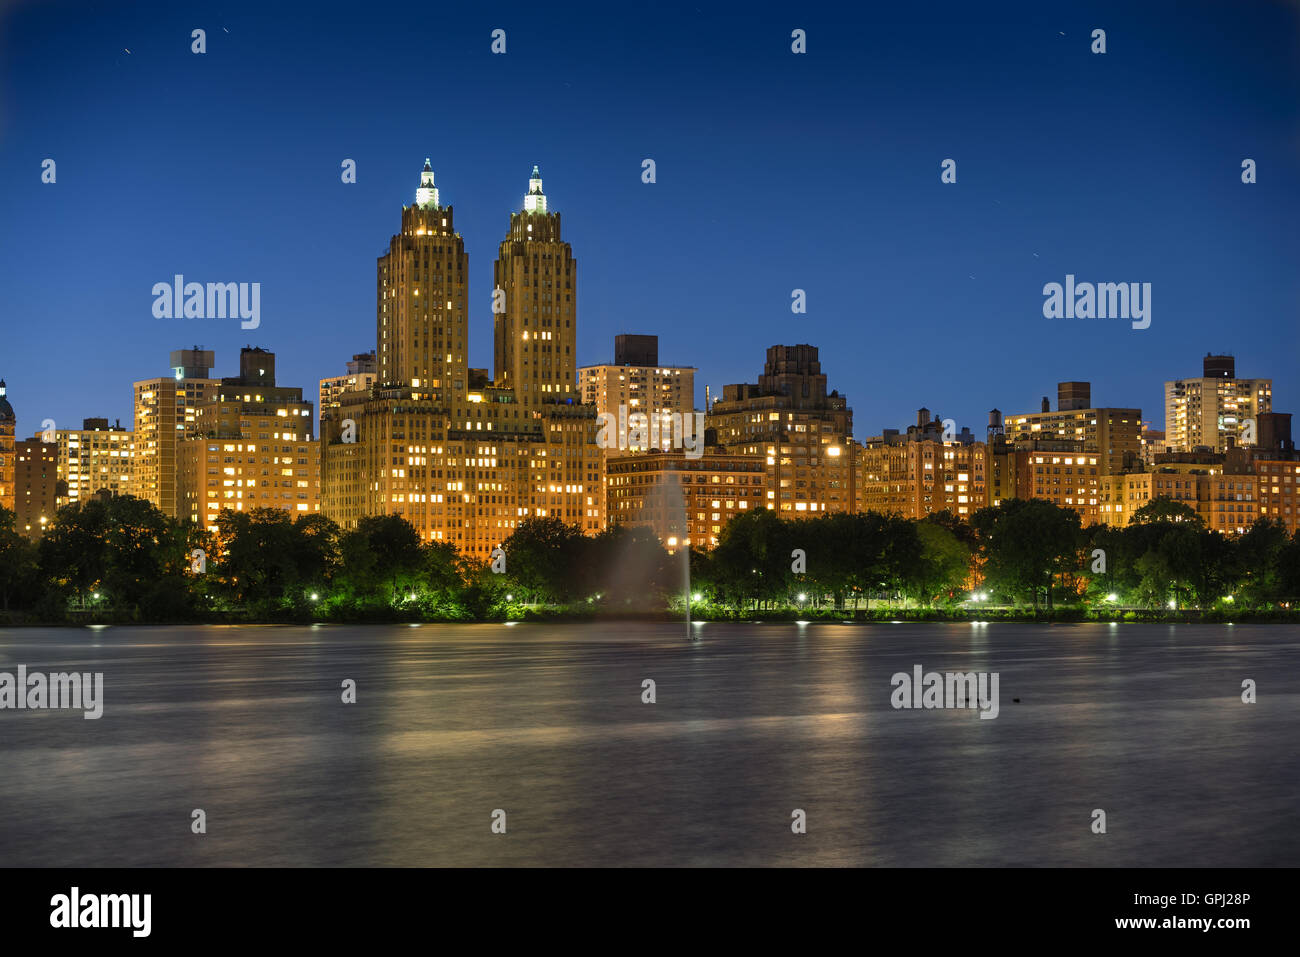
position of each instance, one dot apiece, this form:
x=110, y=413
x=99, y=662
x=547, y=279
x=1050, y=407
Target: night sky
x=775, y=171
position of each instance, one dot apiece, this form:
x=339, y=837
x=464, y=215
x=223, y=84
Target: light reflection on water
x=751, y=722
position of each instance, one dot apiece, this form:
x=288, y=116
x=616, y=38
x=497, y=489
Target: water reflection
x=547, y=723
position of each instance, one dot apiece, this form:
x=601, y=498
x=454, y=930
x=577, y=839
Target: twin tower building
x=462, y=457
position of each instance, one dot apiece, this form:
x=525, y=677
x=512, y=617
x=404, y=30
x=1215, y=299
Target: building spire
x=426, y=197
x=535, y=201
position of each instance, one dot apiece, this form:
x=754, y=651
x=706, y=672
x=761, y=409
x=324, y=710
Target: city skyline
x=755, y=197
x=466, y=454
x=428, y=193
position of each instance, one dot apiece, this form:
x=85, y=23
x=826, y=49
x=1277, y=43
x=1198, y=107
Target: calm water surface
x=546, y=722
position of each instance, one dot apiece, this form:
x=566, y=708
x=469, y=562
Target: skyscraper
x=534, y=305
x=423, y=283
x=462, y=460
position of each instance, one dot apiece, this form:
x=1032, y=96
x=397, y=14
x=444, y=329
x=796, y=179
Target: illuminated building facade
x=1213, y=411
x=251, y=447
x=535, y=306
x=35, y=485
x=97, y=457
x=1279, y=491
x=361, y=375
x=166, y=409
x=1061, y=472
x=1115, y=435
x=920, y=477
x=1229, y=503
x=685, y=501
x=638, y=382
x=804, y=434
x=8, y=455
x=463, y=460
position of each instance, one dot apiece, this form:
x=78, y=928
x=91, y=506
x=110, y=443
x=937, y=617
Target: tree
x=1165, y=510
x=542, y=555
x=1260, y=562
x=444, y=569
x=752, y=559
x=381, y=559
x=942, y=566
x=18, y=570
x=123, y=547
x=1026, y=544
x=260, y=555
x=316, y=550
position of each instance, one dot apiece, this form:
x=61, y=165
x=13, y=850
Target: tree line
x=122, y=559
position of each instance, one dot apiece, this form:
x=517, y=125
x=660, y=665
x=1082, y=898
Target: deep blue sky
x=775, y=171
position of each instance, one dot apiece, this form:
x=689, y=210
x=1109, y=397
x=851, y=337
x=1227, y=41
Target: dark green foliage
x=122, y=559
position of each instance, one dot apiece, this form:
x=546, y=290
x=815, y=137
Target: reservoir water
x=750, y=723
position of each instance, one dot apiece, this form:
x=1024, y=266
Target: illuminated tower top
x=426, y=197
x=534, y=325
x=535, y=201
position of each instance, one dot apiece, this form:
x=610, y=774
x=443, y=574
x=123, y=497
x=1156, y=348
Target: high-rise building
x=535, y=305
x=362, y=372
x=636, y=380
x=35, y=485
x=1217, y=410
x=1114, y=434
x=804, y=433
x=423, y=290
x=461, y=459
x=8, y=460
x=635, y=383
x=96, y=457
x=166, y=409
x=250, y=447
